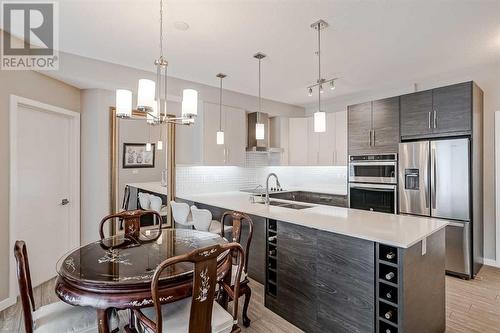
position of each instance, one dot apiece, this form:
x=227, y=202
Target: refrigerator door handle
x=433, y=177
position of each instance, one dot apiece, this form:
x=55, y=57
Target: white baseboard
x=7, y=302
x=491, y=262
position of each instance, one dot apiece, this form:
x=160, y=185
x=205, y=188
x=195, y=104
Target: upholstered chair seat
x=176, y=317
x=64, y=318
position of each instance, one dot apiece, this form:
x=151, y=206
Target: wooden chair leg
x=248, y=294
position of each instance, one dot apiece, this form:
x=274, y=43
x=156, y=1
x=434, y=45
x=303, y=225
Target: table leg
x=103, y=320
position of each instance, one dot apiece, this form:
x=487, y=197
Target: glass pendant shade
x=146, y=95
x=148, y=146
x=189, y=103
x=259, y=131
x=123, y=103
x=220, y=137
x=319, y=122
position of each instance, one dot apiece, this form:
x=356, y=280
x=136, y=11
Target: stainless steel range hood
x=255, y=145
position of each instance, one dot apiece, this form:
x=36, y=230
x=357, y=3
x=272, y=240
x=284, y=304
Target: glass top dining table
x=122, y=261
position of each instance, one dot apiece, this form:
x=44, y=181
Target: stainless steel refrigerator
x=434, y=180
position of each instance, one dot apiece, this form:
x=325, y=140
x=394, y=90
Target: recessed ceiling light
x=180, y=25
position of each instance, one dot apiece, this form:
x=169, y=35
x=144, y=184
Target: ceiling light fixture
x=152, y=95
x=259, y=127
x=220, y=132
x=319, y=115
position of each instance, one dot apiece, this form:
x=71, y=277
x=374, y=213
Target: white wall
x=488, y=78
x=95, y=161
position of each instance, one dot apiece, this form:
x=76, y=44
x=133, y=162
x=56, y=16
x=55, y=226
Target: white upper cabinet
x=188, y=139
x=312, y=143
x=213, y=154
x=235, y=136
x=232, y=152
x=307, y=147
x=297, y=141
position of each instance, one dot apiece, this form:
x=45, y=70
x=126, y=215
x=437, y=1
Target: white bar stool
x=181, y=215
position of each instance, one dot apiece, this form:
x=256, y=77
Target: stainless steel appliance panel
x=414, y=195
x=373, y=197
x=383, y=172
x=450, y=179
x=458, y=248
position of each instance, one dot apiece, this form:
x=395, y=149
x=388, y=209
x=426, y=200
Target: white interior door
x=45, y=180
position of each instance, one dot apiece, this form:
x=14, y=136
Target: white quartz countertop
x=154, y=187
x=395, y=230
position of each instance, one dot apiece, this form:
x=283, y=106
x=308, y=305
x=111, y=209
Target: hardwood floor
x=471, y=306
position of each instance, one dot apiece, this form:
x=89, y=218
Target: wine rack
x=271, y=257
x=388, y=289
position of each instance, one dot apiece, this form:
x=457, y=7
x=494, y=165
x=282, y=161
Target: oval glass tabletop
x=120, y=260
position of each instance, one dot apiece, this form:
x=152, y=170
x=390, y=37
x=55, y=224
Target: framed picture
x=136, y=156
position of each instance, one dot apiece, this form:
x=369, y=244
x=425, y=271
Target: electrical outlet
x=135, y=172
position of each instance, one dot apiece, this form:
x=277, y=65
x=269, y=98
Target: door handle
x=433, y=179
x=370, y=138
x=64, y=202
x=429, y=121
x=374, y=142
x=435, y=118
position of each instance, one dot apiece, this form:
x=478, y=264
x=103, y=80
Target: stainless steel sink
x=286, y=204
x=295, y=206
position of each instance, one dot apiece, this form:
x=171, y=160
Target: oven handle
x=374, y=163
x=378, y=187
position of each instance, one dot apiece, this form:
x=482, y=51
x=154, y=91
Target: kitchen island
x=334, y=269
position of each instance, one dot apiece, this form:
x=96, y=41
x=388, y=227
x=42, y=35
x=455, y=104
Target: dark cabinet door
x=359, y=125
x=296, y=292
x=346, y=283
x=453, y=108
x=385, y=117
x=416, y=114
x=257, y=253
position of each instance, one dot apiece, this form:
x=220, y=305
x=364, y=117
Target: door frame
x=15, y=102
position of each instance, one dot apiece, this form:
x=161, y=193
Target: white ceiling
x=368, y=43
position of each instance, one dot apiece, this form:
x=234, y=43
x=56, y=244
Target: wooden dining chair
x=199, y=313
x=56, y=317
x=237, y=223
x=131, y=221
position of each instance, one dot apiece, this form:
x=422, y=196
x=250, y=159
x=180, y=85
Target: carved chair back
x=131, y=220
x=237, y=222
x=204, y=282
x=24, y=280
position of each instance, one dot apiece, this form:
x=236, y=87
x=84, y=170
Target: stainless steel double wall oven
x=373, y=182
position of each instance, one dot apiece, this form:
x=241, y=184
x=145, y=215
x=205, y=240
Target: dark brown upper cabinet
x=445, y=111
x=373, y=127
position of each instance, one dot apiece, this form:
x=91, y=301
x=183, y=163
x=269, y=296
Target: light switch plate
x=135, y=172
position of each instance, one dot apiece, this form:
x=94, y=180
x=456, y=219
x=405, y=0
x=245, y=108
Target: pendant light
x=159, y=144
x=152, y=95
x=220, y=132
x=320, y=115
x=259, y=126
x=123, y=103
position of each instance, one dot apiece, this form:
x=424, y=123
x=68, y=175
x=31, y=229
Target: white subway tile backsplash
x=204, y=179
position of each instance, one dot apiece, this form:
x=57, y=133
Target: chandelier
x=319, y=115
x=152, y=95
